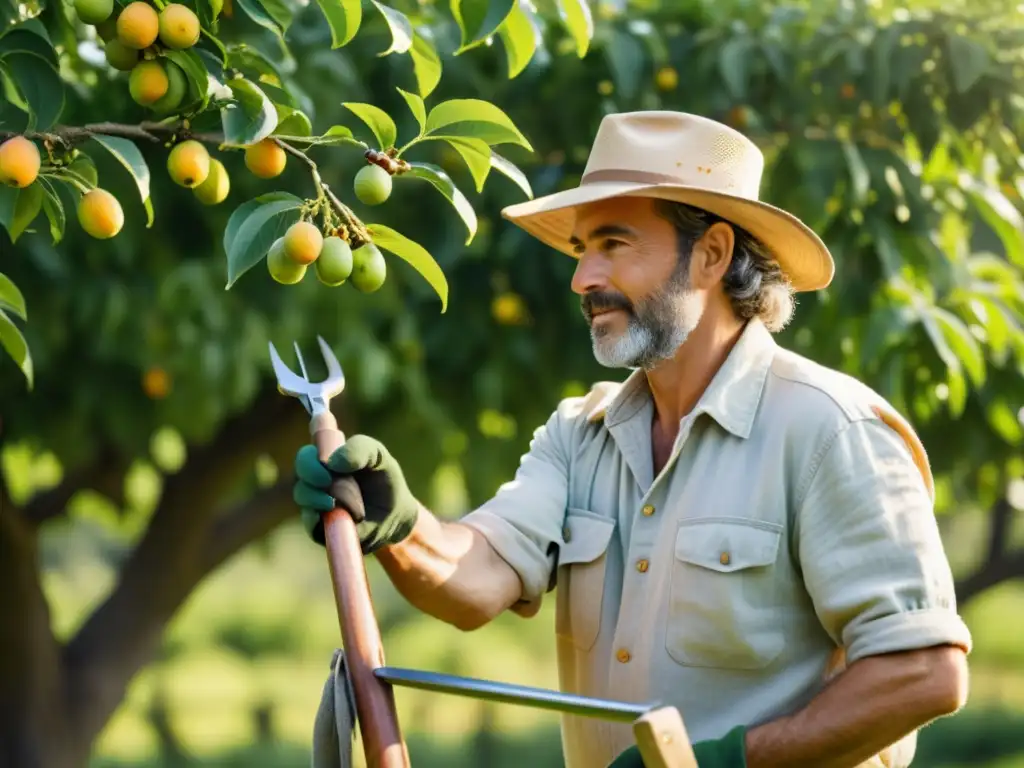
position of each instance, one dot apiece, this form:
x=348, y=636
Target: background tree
x=895, y=134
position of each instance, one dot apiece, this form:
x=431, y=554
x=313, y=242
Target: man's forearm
x=449, y=571
x=873, y=704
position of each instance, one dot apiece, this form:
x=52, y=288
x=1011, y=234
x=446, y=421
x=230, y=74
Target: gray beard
x=656, y=329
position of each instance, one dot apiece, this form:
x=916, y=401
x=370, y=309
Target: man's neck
x=677, y=385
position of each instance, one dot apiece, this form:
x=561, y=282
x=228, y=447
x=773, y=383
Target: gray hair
x=754, y=282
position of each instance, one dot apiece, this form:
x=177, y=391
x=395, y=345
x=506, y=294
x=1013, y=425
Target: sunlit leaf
x=415, y=255
x=377, y=120
x=444, y=184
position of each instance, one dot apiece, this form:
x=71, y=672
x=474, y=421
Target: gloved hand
x=391, y=509
x=730, y=751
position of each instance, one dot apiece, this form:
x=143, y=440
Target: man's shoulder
x=589, y=407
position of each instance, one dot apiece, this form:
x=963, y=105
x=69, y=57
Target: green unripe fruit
x=94, y=11
x=120, y=56
x=283, y=269
x=214, y=190
x=373, y=185
x=177, y=87
x=107, y=29
x=334, y=265
x=148, y=82
x=369, y=269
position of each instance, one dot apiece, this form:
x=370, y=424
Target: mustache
x=600, y=301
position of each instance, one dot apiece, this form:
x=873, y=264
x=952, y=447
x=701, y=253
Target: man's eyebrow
x=605, y=230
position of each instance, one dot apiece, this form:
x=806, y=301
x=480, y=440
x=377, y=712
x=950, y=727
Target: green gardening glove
x=391, y=509
x=730, y=751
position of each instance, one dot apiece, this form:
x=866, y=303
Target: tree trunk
x=35, y=730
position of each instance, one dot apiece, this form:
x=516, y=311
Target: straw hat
x=689, y=159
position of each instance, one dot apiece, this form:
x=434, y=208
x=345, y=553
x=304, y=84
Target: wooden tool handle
x=375, y=704
x=662, y=739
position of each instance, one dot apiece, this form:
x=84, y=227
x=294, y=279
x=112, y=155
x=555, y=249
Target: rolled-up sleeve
x=523, y=521
x=870, y=550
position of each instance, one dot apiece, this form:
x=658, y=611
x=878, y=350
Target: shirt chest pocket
x=582, y=568
x=723, y=594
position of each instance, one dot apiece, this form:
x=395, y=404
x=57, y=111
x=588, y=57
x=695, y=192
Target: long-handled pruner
x=659, y=730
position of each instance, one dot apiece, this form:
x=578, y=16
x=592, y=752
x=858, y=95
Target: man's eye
x=610, y=244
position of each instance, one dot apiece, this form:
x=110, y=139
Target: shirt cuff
x=908, y=631
x=516, y=549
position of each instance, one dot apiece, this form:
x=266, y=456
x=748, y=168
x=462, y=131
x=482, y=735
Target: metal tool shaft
x=510, y=693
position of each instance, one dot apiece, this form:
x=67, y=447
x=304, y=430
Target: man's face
x=633, y=285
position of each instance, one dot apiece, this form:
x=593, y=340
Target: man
x=734, y=530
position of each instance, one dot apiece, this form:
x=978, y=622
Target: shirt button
x=642, y=564
x=622, y=655
x=648, y=510
x=724, y=558
x=566, y=533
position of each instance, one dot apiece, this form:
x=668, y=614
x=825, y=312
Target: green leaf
x=196, y=72
x=734, y=64
x=28, y=42
x=292, y=122
x=576, y=16
x=12, y=341
x=267, y=14
x=416, y=106
x=343, y=17
x=256, y=232
x=426, y=65
x=477, y=156
x=479, y=19
x=962, y=343
x=476, y=119
x=444, y=184
x=1000, y=214
x=39, y=85
x=377, y=120
x=415, y=255
x=251, y=118
x=520, y=35
x=11, y=299
x=83, y=168
x=400, y=26
x=510, y=171
x=18, y=208
x=54, y=210
x=859, y=175
x=970, y=61
x=131, y=158
x=280, y=11
x=627, y=60
x=1003, y=420
x=338, y=134
x=243, y=211
x=957, y=398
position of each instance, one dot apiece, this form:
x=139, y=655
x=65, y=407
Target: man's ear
x=712, y=255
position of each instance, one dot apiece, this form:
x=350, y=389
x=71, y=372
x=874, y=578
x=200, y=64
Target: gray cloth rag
x=334, y=728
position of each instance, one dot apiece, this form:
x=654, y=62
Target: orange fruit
x=19, y=162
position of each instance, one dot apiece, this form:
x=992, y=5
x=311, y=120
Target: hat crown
x=675, y=148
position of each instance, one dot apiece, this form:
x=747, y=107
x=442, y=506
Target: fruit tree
x=895, y=133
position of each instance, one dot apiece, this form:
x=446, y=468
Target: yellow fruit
x=93, y=11
x=667, y=79
x=188, y=164
x=179, y=27
x=120, y=56
x=369, y=270
x=265, y=159
x=148, y=82
x=283, y=269
x=215, y=188
x=303, y=242
x=156, y=383
x=177, y=87
x=138, y=25
x=334, y=264
x=100, y=214
x=373, y=185
x=19, y=162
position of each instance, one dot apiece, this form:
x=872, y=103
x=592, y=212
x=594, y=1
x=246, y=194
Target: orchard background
x=160, y=605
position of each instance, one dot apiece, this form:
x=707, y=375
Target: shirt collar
x=732, y=397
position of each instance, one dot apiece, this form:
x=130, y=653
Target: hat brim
x=801, y=254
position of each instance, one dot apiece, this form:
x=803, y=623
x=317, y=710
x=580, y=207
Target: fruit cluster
x=135, y=37
x=332, y=258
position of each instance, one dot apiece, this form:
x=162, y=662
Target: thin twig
x=156, y=132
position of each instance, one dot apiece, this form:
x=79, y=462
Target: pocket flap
x=585, y=536
x=728, y=544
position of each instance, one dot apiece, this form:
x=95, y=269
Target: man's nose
x=589, y=275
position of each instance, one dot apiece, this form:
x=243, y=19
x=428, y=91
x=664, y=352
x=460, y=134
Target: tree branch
x=248, y=521
x=1001, y=514
x=105, y=475
x=991, y=573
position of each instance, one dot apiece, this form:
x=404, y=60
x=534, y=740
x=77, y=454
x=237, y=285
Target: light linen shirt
x=791, y=527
